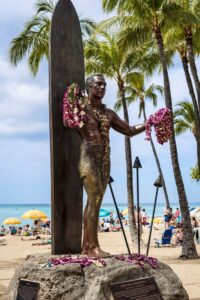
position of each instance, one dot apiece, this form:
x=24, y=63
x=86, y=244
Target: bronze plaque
x=27, y=290
x=141, y=289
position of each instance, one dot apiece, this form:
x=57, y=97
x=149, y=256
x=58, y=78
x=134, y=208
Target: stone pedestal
x=73, y=282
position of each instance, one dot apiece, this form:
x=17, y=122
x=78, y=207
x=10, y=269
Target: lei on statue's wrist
x=74, y=103
x=162, y=123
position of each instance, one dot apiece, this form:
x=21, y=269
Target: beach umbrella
x=11, y=221
x=34, y=215
x=104, y=213
x=125, y=212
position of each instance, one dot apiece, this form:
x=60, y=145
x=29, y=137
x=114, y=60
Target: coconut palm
x=34, y=39
x=190, y=27
x=184, y=120
x=135, y=90
x=145, y=20
x=174, y=39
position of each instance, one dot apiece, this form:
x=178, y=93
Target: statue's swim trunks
x=92, y=163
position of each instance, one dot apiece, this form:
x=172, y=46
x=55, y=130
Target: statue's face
x=98, y=87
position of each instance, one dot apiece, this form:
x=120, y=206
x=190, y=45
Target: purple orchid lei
x=83, y=261
x=73, y=106
x=162, y=122
x=138, y=259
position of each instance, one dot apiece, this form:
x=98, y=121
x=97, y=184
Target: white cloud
x=16, y=10
x=23, y=102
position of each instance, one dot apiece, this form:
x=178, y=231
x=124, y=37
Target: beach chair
x=166, y=237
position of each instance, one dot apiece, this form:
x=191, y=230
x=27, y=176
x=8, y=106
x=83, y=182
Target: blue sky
x=24, y=124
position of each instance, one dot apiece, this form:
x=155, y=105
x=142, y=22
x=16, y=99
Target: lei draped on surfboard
x=162, y=123
x=75, y=107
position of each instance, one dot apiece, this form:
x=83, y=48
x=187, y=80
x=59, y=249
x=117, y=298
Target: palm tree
x=190, y=28
x=34, y=39
x=174, y=39
x=184, y=120
x=145, y=20
x=135, y=90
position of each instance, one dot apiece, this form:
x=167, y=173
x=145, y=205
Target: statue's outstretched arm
x=122, y=127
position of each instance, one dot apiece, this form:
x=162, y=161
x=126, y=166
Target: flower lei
x=73, y=106
x=102, y=120
x=137, y=258
x=162, y=122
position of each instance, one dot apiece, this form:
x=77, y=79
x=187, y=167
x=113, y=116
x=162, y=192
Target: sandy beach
x=16, y=251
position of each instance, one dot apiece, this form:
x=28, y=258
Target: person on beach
x=42, y=242
x=144, y=217
x=178, y=235
x=167, y=216
x=95, y=157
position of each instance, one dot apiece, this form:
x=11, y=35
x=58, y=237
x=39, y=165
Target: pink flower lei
x=162, y=122
x=74, y=102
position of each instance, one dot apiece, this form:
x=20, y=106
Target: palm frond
x=88, y=27
x=45, y=6
x=180, y=126
x=118, y=105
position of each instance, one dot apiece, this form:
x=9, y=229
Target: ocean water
x=17, y=210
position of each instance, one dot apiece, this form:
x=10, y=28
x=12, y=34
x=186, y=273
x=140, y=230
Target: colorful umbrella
x=11, y=221
x=125, y=212
x=104, y=213
x=34, y=214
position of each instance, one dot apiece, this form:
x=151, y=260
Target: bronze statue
x=95, y=157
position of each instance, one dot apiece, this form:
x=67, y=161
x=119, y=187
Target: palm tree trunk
x=194, y=101
x=129, y=170
x=189, y=43
x=188, y=248
x=158, y=165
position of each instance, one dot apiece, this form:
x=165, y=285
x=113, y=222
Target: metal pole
x=137, y=165
x=138, y=210
x=154, y=208
x=117, y=209
x=157, y=184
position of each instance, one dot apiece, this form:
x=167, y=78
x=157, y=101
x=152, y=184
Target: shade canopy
x=34, y=214
x=104, y=213
x=12, y=221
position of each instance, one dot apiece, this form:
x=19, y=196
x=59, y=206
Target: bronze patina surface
x=95, y=157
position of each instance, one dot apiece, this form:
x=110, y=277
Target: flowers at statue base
x=86, y=261
x=162, y=122
x=68, y=259
x=138, y=259
x=74, y=102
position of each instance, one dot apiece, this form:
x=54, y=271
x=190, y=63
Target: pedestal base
x=73, y=282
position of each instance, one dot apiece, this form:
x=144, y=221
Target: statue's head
x=96, y=85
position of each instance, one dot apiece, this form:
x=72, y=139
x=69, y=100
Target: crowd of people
x=40, y=231
x=172, y=220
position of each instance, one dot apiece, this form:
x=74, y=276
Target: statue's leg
x=94, y=191
x=85, y=245
x=91, y=171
